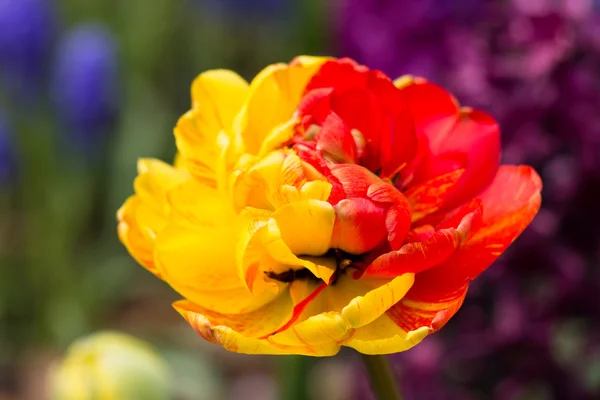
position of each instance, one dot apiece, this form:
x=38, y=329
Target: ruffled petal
x=359, y=225
x=339, y=309
x=245, y=333
x=204, y=133
x=417, y=256
x=137, y=231
x=367, y=102
x=154, y=181
x=509, y=205
x=219, y=95
x=144, y=215
x=433, y=313
x=278, y=249
x=428, y=197
x=434, y=110
x=278, y=89
x=306, y=226
x=196, y=252
x=475, y=139
x=383, y=336
x=269, y=182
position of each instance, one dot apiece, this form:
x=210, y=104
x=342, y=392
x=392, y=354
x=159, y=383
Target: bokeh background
x=89, y=86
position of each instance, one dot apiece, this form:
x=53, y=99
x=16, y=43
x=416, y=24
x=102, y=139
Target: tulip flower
x=111, y=365
x=325, y=205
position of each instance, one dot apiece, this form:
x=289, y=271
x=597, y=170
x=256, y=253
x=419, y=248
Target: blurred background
x=88, y=86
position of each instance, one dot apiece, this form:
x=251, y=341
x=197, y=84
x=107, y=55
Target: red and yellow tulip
x=324, y=205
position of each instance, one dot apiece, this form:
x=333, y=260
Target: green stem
x=382, y=378
x=294, y=377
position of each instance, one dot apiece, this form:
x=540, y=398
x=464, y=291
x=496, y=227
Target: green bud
x=111, y=366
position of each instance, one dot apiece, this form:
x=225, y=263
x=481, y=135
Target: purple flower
x=26, y=28
x=85, y=82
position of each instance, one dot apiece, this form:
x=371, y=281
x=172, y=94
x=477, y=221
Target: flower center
x=338, y=259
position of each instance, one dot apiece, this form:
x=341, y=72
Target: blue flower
x=26, y=28
x=85, y=83
x=7, y=154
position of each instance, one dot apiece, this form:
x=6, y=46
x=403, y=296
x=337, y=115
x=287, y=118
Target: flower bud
x=85, y=83
x=111, y=365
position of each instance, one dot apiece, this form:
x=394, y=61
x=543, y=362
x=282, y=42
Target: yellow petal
x=179, y=161
x=274, y=95
x=383, y=336
x=134, y=234
x=278, y=136
x=144, y=215
x=193, y=203
x=268, y=245
x=268, y=182
x=252, y=258
x=154, y=180
x=404, y=80
x=242, y=333
x=306, y=226
x=199, y=263
x=373, y=297
x=219, y=94
x=204, y=133
x=343, y=307
x=317, y=190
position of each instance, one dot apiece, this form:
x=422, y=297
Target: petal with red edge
x=410, y=314
x=137, y=234
x=416, y=257
x=509, y=205
x=241, y=333
x=339, y=309
x=383, y=336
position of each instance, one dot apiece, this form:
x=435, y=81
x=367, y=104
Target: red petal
x=359, y=225
x=335, y=140
x=427, y=197
x=398, y=145
x=368, y=101
x=509, y=205
x=415, y=257
x=341, y=74
x=410, y=315
x=419, y=256
x=434, y=110
x=398, y=217
x=355, y=179
x=360, y=110
x=478, y=136
x=316, y=106
x=420, y=234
